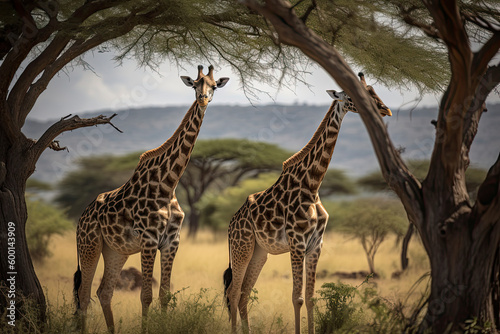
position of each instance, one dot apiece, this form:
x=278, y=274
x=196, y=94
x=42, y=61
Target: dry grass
x=200, y=264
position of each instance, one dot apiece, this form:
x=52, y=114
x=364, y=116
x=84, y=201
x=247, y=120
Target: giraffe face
x=349, y=105
x=204, y=85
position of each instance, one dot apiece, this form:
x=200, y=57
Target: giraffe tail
x=227, y=277
x=77, y=281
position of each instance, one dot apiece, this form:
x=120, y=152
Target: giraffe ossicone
x=287, y=217
x=142, y=215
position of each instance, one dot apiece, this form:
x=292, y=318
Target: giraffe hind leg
x=113, y=264
x=254, y=268
x=89, y=254
x=241, y=254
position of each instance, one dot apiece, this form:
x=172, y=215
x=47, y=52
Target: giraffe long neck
x=310, y=164
x=166, y=163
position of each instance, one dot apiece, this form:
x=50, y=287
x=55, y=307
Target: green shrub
x=197, y=313
x=43, y=222
x=337, y=301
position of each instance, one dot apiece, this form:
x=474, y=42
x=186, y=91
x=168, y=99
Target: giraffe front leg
x=297, y=257
x=311, y=263
x=168, y=252
x=148, y=255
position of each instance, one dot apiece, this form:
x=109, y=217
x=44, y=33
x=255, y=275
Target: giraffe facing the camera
x=142, y=215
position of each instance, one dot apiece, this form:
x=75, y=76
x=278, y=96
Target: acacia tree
x=372, y=225
x=38, y=38
x=461, y=240
x=223, y=163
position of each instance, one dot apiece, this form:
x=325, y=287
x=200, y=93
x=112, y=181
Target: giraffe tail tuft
x=77, y=281
x=228, y=277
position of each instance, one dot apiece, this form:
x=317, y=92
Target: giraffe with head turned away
x=143, y=215
x=287, y=217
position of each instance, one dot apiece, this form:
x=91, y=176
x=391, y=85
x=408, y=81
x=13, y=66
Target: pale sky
x=129, y=86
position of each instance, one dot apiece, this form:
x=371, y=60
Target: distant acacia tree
x=370, y=221
x=94, y=175
x=219, y=163
x=44, y=221
x=375, y=181
x=461, y=239
x=337, y=182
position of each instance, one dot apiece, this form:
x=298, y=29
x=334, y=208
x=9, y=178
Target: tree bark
x=194, y=222
x=404, y=248
x=17, y=275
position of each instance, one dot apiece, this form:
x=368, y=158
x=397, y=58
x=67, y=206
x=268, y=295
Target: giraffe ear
x=334, y=95
x=187, y=81
x=222, y=82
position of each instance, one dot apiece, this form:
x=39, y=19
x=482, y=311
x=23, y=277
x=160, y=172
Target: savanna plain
x=197, y=305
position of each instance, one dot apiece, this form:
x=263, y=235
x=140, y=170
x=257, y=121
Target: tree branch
x=79, y=47
x=484, y=55
x=293, y=31
x=486, y=211
x=65, y=124
x=471, y=122
x=428, y=29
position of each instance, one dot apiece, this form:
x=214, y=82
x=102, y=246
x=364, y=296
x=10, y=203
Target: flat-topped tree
x=462, y=239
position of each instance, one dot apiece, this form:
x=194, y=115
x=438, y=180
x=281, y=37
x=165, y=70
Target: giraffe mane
x=153, y=153
x=300, y=155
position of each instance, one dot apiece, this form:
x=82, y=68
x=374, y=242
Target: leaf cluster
x=373, y=38
x=368, y=218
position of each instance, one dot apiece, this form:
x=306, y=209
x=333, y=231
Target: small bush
x=337, y=310
x=336, y=298
x=43, y=222
x=197, y=313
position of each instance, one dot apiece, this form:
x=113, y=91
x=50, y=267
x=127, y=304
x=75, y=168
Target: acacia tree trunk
x=404, y=247
x=463, y=253
x=17, y=275
x=18, y=156
x=194, y=222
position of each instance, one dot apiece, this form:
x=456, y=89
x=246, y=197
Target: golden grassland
x=199, y=264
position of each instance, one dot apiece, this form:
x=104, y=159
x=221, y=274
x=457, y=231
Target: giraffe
x=142, y=215
x=287, y=217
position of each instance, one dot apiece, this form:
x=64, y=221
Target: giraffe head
x=204, y=85
x=349, y=105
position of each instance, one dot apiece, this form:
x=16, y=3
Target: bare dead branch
x=66, y=123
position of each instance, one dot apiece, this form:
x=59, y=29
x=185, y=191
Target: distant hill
x=290, y=126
